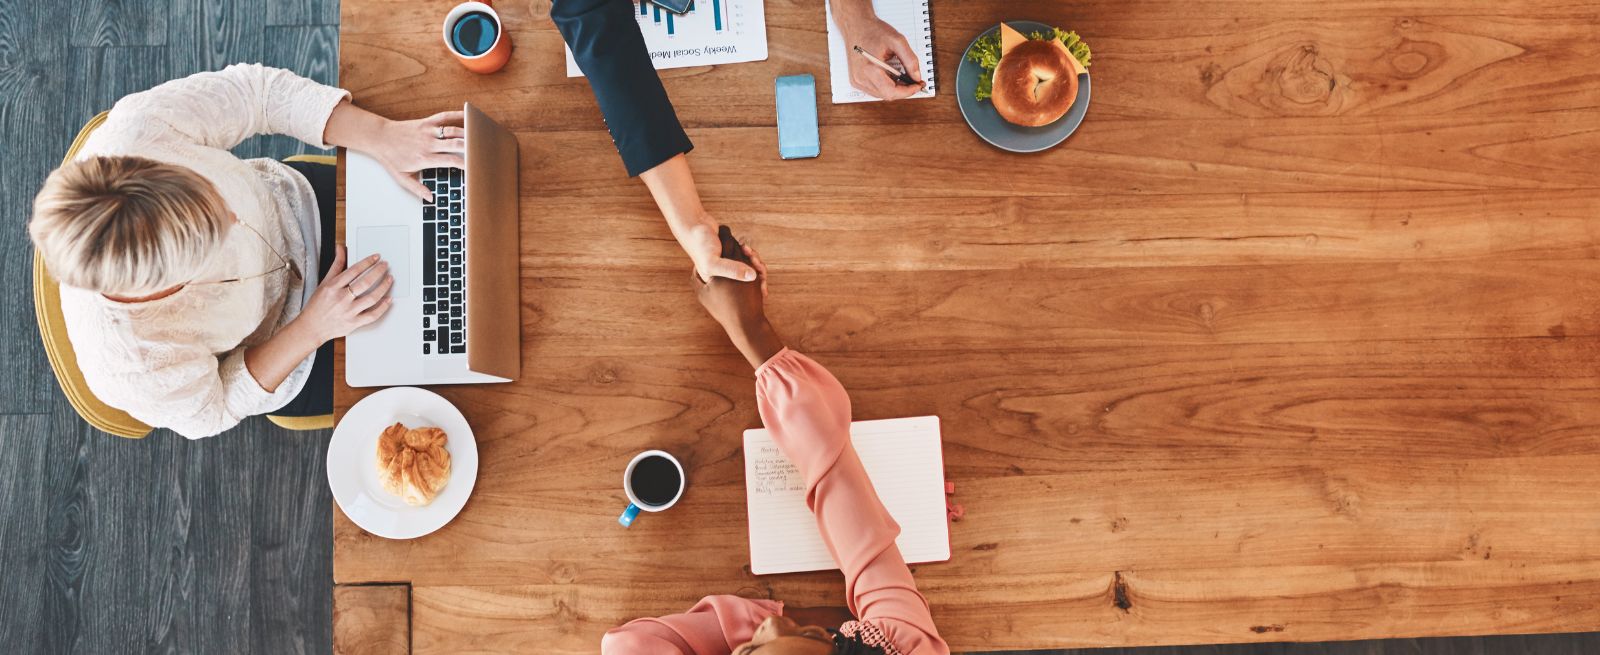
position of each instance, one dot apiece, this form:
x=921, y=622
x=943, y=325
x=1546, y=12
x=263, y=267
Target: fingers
x=893, y=90
x=875, y=83
x=376, y=311
x=456, y=117
x=345, y=277
x=446, y=160
x=760, y=266
x=365, y=301
x=337, y=267
x=450, y=145
x=908, y=58
x=901, y=91
x=729, y=269
x=755, y=260
x=370, y=279
x=413, y=186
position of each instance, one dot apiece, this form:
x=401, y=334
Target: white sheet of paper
x=905, y=460
x=911, y=19
x=713, y=32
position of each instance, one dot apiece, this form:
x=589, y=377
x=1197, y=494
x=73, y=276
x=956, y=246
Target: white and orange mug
x=474, y=34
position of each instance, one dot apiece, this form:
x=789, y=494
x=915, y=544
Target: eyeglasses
x=283, y=261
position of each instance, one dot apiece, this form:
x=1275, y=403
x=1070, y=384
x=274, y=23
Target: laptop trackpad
x=393, y=244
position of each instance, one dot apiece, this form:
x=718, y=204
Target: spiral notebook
x=912, y=18
x=903, y=457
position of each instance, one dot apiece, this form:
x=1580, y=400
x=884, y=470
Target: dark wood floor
x=222, y=545
x=159, y=545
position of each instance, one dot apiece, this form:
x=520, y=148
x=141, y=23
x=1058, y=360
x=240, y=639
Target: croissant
x=413, y=464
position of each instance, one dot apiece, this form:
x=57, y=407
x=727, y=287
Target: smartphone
x=674, y=6
x=797, y=117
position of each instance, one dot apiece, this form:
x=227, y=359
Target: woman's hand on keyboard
x=410, y=146
x=403, y=147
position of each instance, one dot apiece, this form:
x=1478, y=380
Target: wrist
x=377, y=133
x=685, y=221
x=301, y=334
x=850, y=15
x=756, y=339
x=671, y=184
x=350, y=126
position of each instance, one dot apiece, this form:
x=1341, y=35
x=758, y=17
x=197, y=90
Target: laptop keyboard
x=444, y=247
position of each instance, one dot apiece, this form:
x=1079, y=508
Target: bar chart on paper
x=711, y=32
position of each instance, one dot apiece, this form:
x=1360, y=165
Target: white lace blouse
x=178, y=362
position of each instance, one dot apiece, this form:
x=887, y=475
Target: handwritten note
x=904, y=459
x=773, y=474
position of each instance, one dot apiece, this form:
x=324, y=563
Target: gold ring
x=352, y=291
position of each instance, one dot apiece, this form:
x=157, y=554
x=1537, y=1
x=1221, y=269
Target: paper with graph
x=903, y=457
x=712, y=32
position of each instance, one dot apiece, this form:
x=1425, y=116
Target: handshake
x=739, y=306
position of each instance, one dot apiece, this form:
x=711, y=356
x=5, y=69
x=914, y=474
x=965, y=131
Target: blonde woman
x=199, y=288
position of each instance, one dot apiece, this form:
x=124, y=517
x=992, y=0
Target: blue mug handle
x=628, y=515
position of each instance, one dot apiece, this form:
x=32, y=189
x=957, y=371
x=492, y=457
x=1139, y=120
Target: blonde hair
x=127, y=225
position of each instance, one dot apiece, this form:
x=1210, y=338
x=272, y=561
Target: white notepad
x=905, y=460
x=911, y=18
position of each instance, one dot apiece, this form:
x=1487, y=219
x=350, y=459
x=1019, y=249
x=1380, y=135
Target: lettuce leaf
x=1075, y=45
x=986, y=53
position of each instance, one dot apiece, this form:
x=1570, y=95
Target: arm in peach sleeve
x=712, y=627
x=808, y=415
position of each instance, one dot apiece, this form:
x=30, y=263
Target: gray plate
x=988, y=124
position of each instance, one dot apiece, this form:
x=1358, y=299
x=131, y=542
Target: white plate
x=353, y=462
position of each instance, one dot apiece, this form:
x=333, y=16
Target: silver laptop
x=455, y=266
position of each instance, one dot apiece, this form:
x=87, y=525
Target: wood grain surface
x=372, y=620
x=1295, y=340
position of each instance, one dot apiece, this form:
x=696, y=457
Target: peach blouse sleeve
x=808, y=414
x=712, y=627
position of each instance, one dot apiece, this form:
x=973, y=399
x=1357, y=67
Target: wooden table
x=1294, y=340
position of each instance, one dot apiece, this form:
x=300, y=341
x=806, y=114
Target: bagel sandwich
x=1032, y=80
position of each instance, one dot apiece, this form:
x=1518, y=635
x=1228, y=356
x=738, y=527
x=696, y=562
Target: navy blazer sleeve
x=607, y=44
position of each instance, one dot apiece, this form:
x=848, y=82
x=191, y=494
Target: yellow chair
x=324, y=421
x=64, y=362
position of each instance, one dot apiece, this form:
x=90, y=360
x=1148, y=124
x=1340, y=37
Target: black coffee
x=655, y=480
x=474, y=33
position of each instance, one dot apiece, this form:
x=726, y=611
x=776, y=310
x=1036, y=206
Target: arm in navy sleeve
x=609, y=48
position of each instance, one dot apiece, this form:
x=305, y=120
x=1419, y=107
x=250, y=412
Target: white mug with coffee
x=654, y=481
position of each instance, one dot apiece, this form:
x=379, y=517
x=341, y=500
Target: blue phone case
x=674, y=6
x=797, y=117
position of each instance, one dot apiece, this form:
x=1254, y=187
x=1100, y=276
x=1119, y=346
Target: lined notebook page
x=904, y=458
x=911, y=18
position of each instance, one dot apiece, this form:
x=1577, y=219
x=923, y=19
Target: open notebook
x=904, y=458
x=911, y=18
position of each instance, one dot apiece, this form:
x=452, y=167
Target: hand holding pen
x=876, y=42
x=900, y=77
